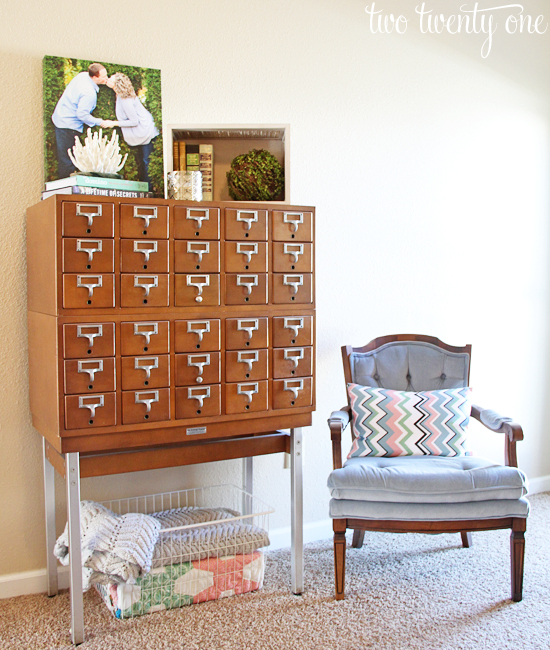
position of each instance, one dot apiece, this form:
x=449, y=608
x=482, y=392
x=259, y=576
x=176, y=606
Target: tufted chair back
x=411, y=365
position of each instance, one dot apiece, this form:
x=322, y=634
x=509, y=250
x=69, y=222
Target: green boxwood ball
x=255, y=176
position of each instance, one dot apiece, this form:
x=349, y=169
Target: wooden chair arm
x=500, y=424
x=337, y=422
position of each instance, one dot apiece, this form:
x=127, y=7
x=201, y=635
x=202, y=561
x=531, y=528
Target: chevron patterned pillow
x=398, y=423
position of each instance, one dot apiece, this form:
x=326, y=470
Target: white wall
x=428, y=165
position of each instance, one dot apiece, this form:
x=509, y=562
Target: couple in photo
x=74, y=110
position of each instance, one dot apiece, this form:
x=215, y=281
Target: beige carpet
x=403, y=591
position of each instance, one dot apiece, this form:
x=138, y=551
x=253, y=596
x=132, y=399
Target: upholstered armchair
x=409, y=470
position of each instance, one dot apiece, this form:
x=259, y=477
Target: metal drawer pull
x=192, y=281
x=147, y=364
x=86, y=402
x=147, y=400
x=294, y=355
x=81, y=281
x=91, y=370
x=252, y=250
x=293, y=323
x=241, y=390
x=89, y=246
x=154, y=329
x=97, y=330
x=146, y=248
x=252, y=358
x=147, y=216
x=242, y=325
x=141, y=281
x=200, y=397
x=199, y=219
x=248, y=220
x=247, y=281
x=297, y=282
x=295, y=250
x=199, y=364
x=194, y=327
x=294, y=218
x=199, y=248
x=299, y=385
x=82, y=210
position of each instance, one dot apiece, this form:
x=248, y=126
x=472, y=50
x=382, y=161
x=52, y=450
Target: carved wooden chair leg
x=339, y=526
x=517, y=552
x=467, y=540
x=358, y=536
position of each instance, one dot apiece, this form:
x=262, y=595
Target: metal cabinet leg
x=248, y=484
x=49, y=509
x=72, y=471
x=296, y=518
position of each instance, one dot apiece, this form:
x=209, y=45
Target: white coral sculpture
x=99, y=154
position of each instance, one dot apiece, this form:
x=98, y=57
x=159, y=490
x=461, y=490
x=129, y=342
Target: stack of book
x=195, y=158
x=98, y=186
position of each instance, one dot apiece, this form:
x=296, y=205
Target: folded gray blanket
x=121, y=548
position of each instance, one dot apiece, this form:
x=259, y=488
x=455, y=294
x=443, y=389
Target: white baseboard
x=540, y=484
x=313, y=532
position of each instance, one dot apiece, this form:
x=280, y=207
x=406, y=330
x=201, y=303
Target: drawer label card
x=248, y=325
x=96, y=330
x=146, y=248
x=200, y=328
x=89, y=246
x=195, y=431
x=248, y=249
x=152, y=328
x=89, y=210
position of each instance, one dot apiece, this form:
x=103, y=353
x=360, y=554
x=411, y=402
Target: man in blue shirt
x=73, y=110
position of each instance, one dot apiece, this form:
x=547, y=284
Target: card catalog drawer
x=87, y=411
x=292, y=330
x=292, y=288
x=145, y=372
x=246, y=397
x=145, y=337
x=192, y=335
x=292, y=226
x=196, y=223
x=197, y=368
x=140, y=290
x=89, y=375
x=197, y=290
x=88, y=291
x=245, y=256
x=244, y=365
x=246, y=289
x=291, y=257
x=292, y=393
x=140, y=255
x=246, y=224
x=196, y=256
x=88, y=255
x=243, y=333
x=198, y=401
x=88, y=219
x=292, y=362
x=88, y=340
x=149, y=221
x=145, y=406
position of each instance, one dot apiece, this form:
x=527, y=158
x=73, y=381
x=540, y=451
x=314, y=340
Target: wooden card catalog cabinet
x=156, y=322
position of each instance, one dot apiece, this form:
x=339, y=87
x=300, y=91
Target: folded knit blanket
x=121, y=548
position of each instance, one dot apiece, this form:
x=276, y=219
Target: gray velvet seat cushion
x=426, y=480
x=345, y=508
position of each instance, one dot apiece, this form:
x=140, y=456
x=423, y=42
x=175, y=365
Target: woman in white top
x=135, y=121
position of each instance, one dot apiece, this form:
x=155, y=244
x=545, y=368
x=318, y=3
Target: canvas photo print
x=81, y=95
